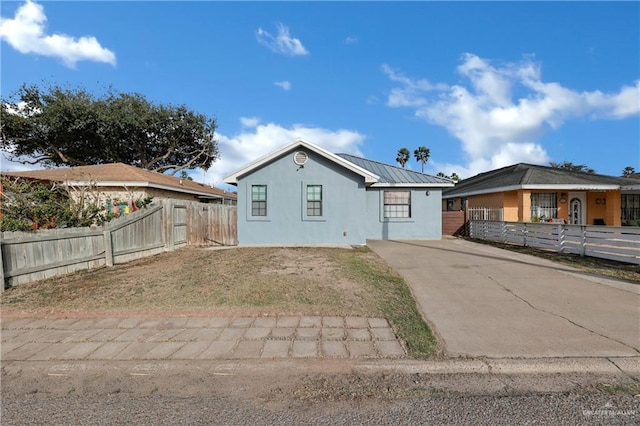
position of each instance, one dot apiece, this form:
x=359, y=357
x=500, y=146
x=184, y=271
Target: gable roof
x=375, y=173
x=366, y=174
x=119, y=174
x=530, y=176
x=396, y=176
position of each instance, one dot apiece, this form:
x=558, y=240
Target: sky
x=481, y=84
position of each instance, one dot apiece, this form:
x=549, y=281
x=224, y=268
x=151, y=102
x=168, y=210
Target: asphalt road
x=483, y=301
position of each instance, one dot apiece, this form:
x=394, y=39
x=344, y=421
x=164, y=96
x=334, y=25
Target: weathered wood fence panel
x=607, y=242
x=170, y=224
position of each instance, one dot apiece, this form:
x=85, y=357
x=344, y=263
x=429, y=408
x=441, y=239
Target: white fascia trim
x=411, y=185
x=132, y=184
x=369, y=177
x=553, y=187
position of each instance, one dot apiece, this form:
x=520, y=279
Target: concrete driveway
x=483, y=301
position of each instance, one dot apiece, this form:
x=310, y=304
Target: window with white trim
x=258, y=200
x=544, y=205
x=314, y=200
x=396, y=204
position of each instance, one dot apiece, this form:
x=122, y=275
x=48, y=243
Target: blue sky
x=481, y=84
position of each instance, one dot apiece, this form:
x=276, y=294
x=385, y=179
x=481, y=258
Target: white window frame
x=250, y=201
x=544, y=204
x=395, y=218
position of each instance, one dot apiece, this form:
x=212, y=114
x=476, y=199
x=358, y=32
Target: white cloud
x=282, y=43
x=238, y=150
x=286, y=85
x=495, y=127
x=249, y=121
x=25, y=33
x=351, y=40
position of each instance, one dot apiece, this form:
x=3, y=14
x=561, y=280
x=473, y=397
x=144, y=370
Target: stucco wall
x=351, y=213
x=343, y=204
x=425, y=222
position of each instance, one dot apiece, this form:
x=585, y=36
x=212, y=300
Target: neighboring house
x=302, y=194
x=527, y=192
x=128, y=183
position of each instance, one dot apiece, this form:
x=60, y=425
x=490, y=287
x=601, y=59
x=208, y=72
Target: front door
x=577, y=208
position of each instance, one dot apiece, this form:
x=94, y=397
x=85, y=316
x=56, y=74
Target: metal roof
x=395, y=175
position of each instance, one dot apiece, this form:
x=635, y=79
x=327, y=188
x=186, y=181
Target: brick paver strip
x=135, y=335
x=283, y=333
x=265, y=322
x=332, y=333
x=232, y=333
x=248, y=349
x=129, y=322
x=304, y=349
x=164, y=335
x=135, y=350
x=361, y=349
x=310, y=322
x=257, y=333
x=163, y=350
x=80, y=350
x=107, y=335
x=356, y=322
x=54, y=351
x=390, y=348
x=332, y=322
x=151, y=323
x=108, y=350
x=82, y=324
x=190, y=350
x=333, y=348
x=358, y=334
x=55, y=336
x=276, y=349
x=7, y=347
x=108, y=323
x=35, y=335
x=241, y=322
x=378, y=322
x=287, y=321
x=308, y=333
x=383, y=334
x=219, y=322
x=198, y=322
x=25, y=351
x=190, y=335
x=176, y=323
x=80, y=336
x=218, y=349
x=209, y=334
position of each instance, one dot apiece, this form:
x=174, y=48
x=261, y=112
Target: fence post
x=108, y=247
x=167, y=209
x=560, y=238
x=584, y=240
x=1, y=270
x=524, y=234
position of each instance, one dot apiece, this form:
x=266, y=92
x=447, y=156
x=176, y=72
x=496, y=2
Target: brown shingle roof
x=119, y=173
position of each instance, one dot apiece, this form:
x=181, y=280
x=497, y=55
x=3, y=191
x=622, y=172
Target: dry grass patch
x=238, y=281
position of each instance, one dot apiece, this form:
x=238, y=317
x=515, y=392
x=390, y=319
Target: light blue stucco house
x=302, y=194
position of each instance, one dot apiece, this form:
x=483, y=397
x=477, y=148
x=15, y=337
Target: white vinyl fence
x=607, y=242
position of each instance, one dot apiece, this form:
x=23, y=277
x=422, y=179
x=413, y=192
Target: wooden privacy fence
x=36, y=255
x=607, y=242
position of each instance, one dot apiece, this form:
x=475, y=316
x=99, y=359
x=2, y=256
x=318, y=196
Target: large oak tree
x=60, y=126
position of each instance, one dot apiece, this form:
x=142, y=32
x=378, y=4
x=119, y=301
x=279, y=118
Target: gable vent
x=300, y=158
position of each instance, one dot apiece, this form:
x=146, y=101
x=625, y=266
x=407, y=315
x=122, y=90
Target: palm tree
x=628, y=171
x=403, y=156
x=422, y=155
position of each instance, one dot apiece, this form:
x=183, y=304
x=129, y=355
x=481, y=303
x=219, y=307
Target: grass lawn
x=235, y=282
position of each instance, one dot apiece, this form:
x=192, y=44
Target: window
x=544, y=205
x=630, y=207
x=258, y=200
x=397, y=204
x=314, y=200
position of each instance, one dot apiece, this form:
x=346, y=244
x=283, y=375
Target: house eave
x=232, y=179
x=411, y=185
x=549, y=187
x=143, y=184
